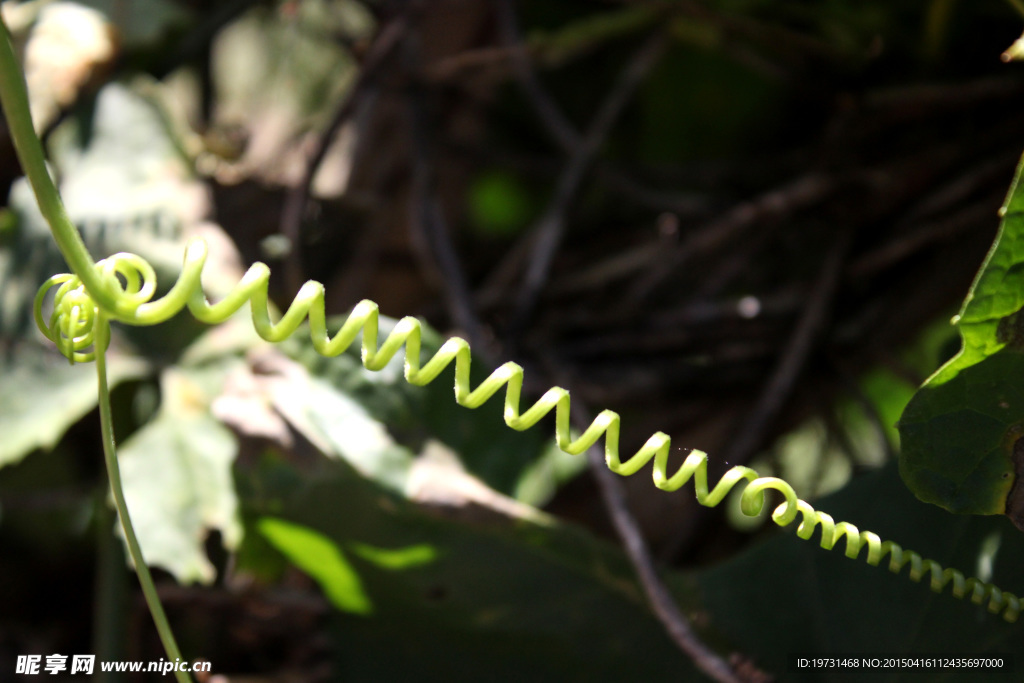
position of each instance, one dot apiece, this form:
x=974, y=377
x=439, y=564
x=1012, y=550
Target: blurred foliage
x=501, y=601
x=420, y=527
x=787, y=597
x=499, y=204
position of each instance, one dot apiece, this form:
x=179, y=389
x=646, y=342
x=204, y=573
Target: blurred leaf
x=396, y=558
x=141, y=23
x=529, y=601
x=69, y=46
x=335, y=421
x=120, y=166
x=278, y=73
x=316, y=555
x=127, y=188
x=539, y=600
x=44, y=395
x=338, y=425
x=487, y=448
x=177, y=478
x=959, y=430
x=499, y=205
x=587, y=33
x=541, y=480
x=786, y=596
x=889, y=394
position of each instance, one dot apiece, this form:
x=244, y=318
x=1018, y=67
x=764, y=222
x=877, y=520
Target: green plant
x=120, y=289
x=961, y=431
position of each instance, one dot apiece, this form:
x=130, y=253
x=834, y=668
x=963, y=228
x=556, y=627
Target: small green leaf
x=988, y=320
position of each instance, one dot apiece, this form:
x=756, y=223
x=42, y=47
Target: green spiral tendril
x=70, y=327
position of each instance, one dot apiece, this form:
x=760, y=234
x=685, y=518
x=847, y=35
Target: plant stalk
x=102, y=331
x=111, y=592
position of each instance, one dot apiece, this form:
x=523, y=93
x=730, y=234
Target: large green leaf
x=987, y=320
x=428, y=597
x=537, y=600
x=959, y=430
x=958, y=438
x=176, y=473
x=787, y=597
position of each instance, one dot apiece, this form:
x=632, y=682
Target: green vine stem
x=114, y=473
x=14, y=98
x=105, y=293
x=120, y=288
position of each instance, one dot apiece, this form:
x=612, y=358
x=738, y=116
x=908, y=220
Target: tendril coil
x=75, y=317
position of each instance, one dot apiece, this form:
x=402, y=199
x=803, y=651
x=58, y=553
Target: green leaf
x=340, y=426
x=396, y=558
x=124, y=181
x=958, y=438
x=958, y=432
x=786, y=596
x=989, y=319
x=500, y=601
x=44, y=395
x=541, y=600
x=177, y=476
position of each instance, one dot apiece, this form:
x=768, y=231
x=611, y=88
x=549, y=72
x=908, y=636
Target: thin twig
x=682, y=203
x=927, y=234
x=298, y=196
x=777, y=390
x=677, y=626
x=798, y=348
x=427, y=217
x=564, y=134
x=550, y=229
x=805, y=190
x=556, y=125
